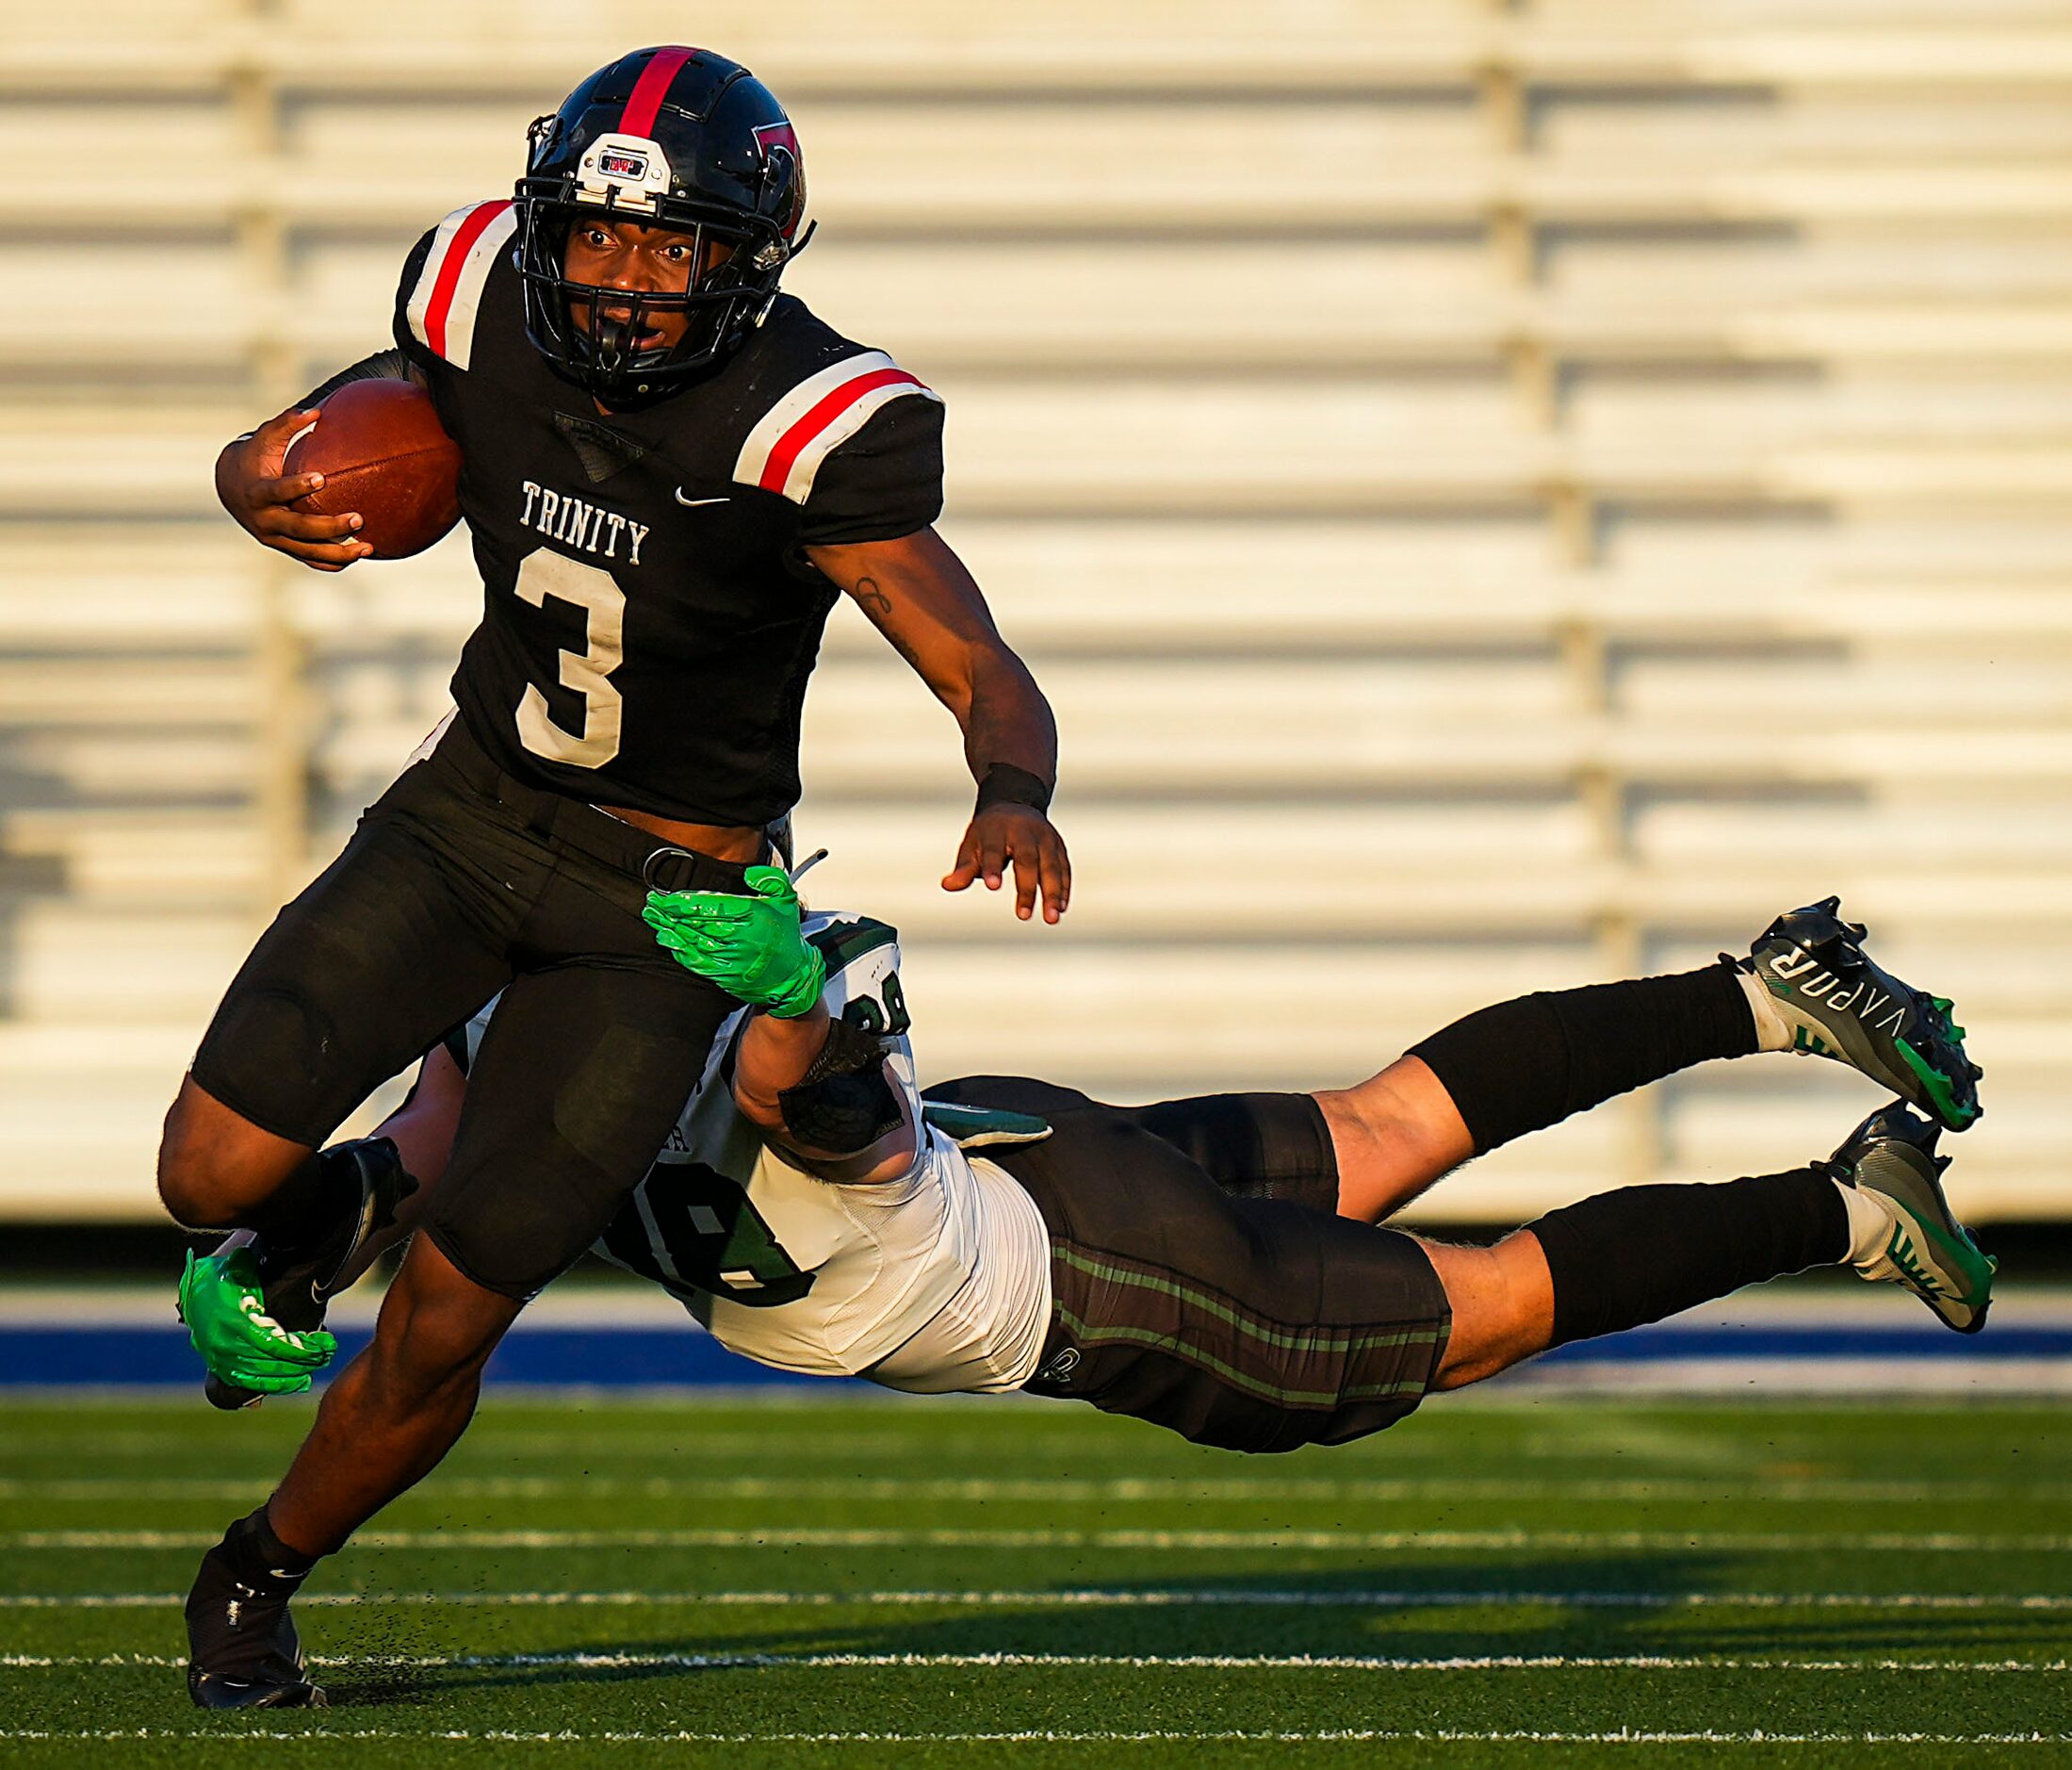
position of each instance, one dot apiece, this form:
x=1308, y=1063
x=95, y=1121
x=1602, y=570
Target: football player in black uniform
x=670, y=471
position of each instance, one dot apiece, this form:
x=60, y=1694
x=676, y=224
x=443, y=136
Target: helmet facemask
x=740, y=186
x=593, y=333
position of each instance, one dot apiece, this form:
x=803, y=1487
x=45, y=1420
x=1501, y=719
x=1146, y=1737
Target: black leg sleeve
x=1642, y=1253
x=306, y=1206
x=1526, y=1064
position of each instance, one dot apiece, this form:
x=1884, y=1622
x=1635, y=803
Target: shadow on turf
x=1408, y=1631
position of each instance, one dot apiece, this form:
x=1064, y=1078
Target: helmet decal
x=769, y=135
x=781, y=138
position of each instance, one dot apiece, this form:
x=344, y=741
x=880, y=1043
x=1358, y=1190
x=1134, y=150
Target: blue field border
x=137, y=1355
x=624, y=1356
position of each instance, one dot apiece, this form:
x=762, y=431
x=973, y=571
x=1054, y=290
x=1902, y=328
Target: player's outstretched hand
x=254, y=490
x=1021, y=835
x=751, y=946
x=224, y=1310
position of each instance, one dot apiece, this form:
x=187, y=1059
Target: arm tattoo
x=878, y=606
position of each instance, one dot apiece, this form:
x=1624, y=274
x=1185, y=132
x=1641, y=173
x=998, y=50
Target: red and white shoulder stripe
x=441, y=309
x=785, y=450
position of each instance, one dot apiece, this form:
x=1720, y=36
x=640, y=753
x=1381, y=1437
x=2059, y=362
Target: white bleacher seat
x=66, y=962
x=1146, y=46
x=1523, y=490
x=111, y=856
x=182, y=588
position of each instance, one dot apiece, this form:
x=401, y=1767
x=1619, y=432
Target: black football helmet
x=668, y=138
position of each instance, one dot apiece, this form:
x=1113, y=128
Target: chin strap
x=608, y=344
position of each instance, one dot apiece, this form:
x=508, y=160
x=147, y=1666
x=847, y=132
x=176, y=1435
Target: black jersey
x=649, y=621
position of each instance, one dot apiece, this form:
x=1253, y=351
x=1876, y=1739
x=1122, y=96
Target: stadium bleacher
x=1498, y=495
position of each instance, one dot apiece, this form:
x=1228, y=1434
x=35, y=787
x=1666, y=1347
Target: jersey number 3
x=588, y=673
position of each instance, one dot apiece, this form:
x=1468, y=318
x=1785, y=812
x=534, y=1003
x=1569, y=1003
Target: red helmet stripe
x=440, y=306
x=651, y=89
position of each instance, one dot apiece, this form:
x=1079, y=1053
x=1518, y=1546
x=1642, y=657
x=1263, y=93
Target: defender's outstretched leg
x=1808, y=985
x=1625, y=1258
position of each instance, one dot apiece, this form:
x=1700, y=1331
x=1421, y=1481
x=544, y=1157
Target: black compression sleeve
x=1642, y=1253
x=842, y=1104
x=1522, y=1065
x=308, y=1202
x=390, y=365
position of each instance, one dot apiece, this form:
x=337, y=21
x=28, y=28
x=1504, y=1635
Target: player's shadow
x=1434, y=1607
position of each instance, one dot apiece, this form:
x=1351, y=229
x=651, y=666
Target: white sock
x=1772, y=1031
x=1871, y=1225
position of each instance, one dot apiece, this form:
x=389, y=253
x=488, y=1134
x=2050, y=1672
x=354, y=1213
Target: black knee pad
x=260, y=1039
x=546, y=1155
x=517, y=1246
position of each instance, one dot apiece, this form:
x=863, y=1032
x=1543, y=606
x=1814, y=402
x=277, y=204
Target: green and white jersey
x=936, y=1282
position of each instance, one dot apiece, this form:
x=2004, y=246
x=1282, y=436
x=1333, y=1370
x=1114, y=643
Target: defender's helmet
x=666, y=138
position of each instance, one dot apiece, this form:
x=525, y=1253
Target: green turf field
x=882, y=1583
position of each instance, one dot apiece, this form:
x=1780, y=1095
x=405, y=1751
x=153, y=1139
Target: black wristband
x=1006, y=784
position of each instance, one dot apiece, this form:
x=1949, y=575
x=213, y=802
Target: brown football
x=382, y=453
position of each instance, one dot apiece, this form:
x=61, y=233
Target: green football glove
x=750, y=946
x=224, y=1309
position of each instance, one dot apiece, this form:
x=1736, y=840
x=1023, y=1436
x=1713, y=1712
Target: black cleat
x=298, y=1282
x=243, y=1651
x=210, y=1692
x=1840, y=1003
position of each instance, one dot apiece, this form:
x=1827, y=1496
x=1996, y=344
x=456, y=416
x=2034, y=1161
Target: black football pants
x=1201, y=1276
x=460, y=882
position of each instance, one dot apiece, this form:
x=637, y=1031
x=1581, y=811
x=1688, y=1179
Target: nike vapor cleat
x=1892, y=1156
x=1838, y=1003
x=298, y=1282
x=242, y=1649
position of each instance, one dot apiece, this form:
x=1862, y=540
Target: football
x=382, y=453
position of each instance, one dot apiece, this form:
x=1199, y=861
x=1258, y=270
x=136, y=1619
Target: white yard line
x=1737, y=1485
x=1624, y=1736
x=1180, y=1598
x=1207, y=1662
x=785, y=1537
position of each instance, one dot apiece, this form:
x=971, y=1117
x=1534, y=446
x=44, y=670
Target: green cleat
x=1892, y=1157
x=1838, y=1003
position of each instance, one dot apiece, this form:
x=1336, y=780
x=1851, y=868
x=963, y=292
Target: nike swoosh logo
x=692, y=503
